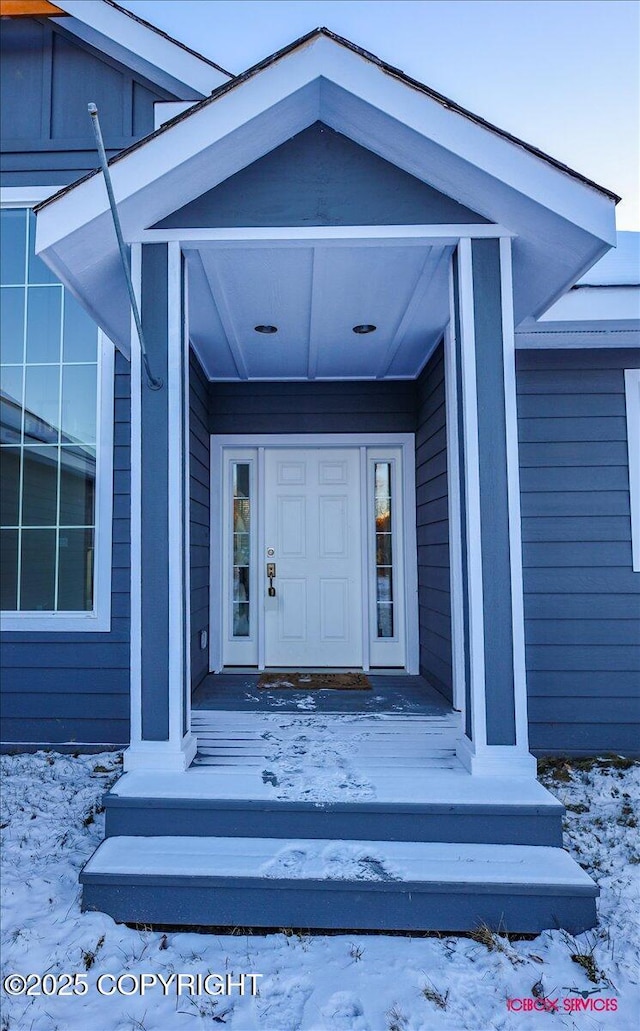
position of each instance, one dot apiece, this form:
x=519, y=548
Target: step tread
x=359, y=862
x=427, y=786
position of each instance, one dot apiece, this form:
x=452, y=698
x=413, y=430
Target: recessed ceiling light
x=364, y=328
x=266, y=329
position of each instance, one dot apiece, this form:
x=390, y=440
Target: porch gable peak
x=320, y=177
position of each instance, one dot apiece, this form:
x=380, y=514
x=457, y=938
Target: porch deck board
x=390, y=693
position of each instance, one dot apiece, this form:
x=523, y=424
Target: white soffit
x=562, y=224
x=126, y=38
x=315, y=295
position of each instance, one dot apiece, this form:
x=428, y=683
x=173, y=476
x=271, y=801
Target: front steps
x=326, y=884
x=323, y=820
x=446, y=804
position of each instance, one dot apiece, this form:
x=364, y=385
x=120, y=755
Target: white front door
x=312, y=534
x=338, y=523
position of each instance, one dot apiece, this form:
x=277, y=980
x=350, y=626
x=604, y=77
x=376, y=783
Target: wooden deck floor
x=392, y=693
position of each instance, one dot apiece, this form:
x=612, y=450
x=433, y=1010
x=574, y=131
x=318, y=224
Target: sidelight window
x=241, y=472
x=384, y=549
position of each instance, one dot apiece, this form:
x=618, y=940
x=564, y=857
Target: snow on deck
x=419, y=862
x=331, y=758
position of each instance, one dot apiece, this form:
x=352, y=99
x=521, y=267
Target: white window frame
x=98, y=619
x=632, y=396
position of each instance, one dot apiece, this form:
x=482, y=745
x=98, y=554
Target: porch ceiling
x=315, y=295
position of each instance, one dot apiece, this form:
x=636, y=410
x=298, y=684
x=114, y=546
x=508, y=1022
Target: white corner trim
x=632, y=396
x=161, y=756
x=513, y=497
x=176, y=500
x=453, y=503
x=135, y=661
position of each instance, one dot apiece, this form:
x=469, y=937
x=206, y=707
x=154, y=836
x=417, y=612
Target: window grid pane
x=384, y=549
x=241, y=548
x=48, y=407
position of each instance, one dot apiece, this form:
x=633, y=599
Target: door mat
x=315, y=681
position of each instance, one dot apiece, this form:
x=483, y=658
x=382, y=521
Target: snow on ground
x=51, y=823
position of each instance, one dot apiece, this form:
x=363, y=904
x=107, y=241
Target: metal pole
x=154, y=384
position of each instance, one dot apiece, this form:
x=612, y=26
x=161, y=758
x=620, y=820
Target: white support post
x=152, y=749
x=497, y=682
x=454, y=513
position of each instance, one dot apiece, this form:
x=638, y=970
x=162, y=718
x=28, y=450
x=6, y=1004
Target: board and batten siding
x=199, y=521
x=582, y=598
x=47, y=78
x=65, y=688
x=434, y=592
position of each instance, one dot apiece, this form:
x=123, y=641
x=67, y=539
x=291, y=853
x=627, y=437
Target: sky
x=563, y=75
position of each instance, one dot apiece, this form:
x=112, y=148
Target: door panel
x=313, y=523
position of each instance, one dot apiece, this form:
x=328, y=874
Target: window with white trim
x=632, y=392
x=50, y=387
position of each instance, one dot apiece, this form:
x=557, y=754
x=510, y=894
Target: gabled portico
x=424, y=226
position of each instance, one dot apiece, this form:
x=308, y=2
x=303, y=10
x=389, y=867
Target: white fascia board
x=165, y=110
x=25, y=196
x=517, y=167
x=150, y=53
x=595, y=304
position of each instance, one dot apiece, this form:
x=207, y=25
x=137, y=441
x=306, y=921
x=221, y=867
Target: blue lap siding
x=434, y=593
x=74, y=688
x=363, y=407
x=582, y=598
x=199, y=525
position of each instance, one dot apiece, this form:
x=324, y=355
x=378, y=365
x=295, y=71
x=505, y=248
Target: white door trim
x=404, y=441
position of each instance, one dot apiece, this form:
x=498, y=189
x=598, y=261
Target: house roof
x=388, y=69
x=138, y=44
x=165, y=35
x=619, y=267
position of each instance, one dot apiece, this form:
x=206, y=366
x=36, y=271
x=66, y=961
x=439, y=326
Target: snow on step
x=325, y=757
x=429, y=786
x=435, y=863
